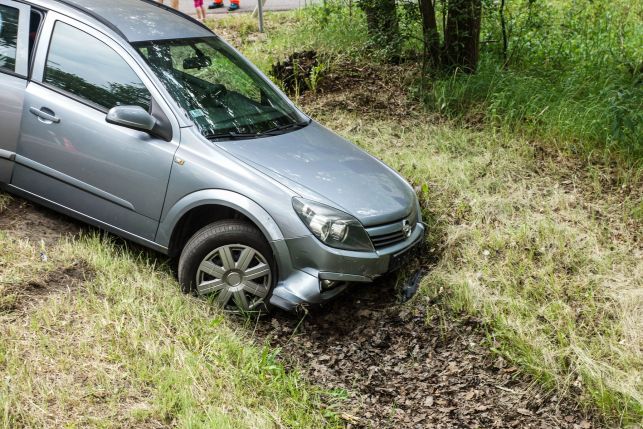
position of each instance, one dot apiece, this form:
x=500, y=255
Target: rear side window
x=84, y=66
x=8, y=37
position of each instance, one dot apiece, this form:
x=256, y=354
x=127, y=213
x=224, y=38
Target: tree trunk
x=430, y=31
x=462, y=35
x=503, y=24
x=383, y=25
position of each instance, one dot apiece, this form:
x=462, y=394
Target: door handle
x=45, y=115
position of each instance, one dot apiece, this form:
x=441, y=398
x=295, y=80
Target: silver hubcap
x=239, y=276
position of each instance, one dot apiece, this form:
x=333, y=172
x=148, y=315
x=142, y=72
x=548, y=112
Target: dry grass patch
x=4, y=201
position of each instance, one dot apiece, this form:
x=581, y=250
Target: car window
x=86, y=67
x=8, y=37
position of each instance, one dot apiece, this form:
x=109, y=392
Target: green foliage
x=602, y=112
x=572, y=73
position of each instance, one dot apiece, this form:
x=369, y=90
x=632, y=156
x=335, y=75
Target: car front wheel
x=232, y=262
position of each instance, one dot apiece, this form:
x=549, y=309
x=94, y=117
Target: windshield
x=223, y=96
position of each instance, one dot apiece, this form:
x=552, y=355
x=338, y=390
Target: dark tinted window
x=83, y=65
x=8, y=37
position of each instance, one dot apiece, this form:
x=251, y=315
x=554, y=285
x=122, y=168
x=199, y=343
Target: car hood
x=319, y=165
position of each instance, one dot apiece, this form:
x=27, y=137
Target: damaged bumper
x=306, y=266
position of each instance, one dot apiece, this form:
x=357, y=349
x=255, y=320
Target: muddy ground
x=38, y=224
x=393, y=364
x=401, y=368
x=26, y=221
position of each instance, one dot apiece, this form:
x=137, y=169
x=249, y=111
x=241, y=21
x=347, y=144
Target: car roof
x=141, y=20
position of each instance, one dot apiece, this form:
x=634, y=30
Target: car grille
x=392, y=233
x=388, y=239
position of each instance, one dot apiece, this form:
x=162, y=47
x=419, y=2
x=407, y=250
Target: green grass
x=597, y=116
x=287, y=32
x=543, y=245
x=129, y=350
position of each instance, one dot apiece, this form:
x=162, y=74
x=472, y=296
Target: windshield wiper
x=281, y=128
x=231, y=135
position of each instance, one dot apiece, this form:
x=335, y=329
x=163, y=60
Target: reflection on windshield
x=222, y=95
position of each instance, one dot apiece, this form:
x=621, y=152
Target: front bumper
x=304, y=262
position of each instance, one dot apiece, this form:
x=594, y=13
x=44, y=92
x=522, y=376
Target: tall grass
x=572, y=75
x=127, y=349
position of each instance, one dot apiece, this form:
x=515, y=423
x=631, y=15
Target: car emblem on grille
x=406, y=228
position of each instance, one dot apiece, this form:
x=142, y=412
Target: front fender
x=221, y=197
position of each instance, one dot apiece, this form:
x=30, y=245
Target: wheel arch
x=201, y=208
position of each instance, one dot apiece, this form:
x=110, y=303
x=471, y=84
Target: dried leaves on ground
x=401, y=367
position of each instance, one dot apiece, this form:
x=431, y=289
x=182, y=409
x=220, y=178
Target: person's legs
x=198, y=5
x=175, y=4
x=234, y=5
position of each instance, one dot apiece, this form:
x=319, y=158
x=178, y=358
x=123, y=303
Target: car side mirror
x=134, y=117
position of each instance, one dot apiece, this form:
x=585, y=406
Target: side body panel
x=205, y=166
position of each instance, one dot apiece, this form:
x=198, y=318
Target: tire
x=232, y=262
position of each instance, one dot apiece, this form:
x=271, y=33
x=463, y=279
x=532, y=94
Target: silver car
x=135, y=118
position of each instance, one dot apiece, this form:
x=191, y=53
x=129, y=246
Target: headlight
x=333, y=227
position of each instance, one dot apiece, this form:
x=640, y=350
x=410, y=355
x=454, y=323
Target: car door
x=69, y=155
x=14, y=38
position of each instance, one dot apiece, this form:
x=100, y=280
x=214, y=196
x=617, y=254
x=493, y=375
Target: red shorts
x=198, y=3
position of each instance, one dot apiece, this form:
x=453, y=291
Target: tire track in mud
x=394, y=365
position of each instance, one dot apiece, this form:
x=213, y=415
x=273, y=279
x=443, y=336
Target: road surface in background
x=187, y=6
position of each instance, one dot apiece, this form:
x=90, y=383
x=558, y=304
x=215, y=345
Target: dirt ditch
x=26, y=221
x=394, y=364
x=400, y=368
x=16, y=298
